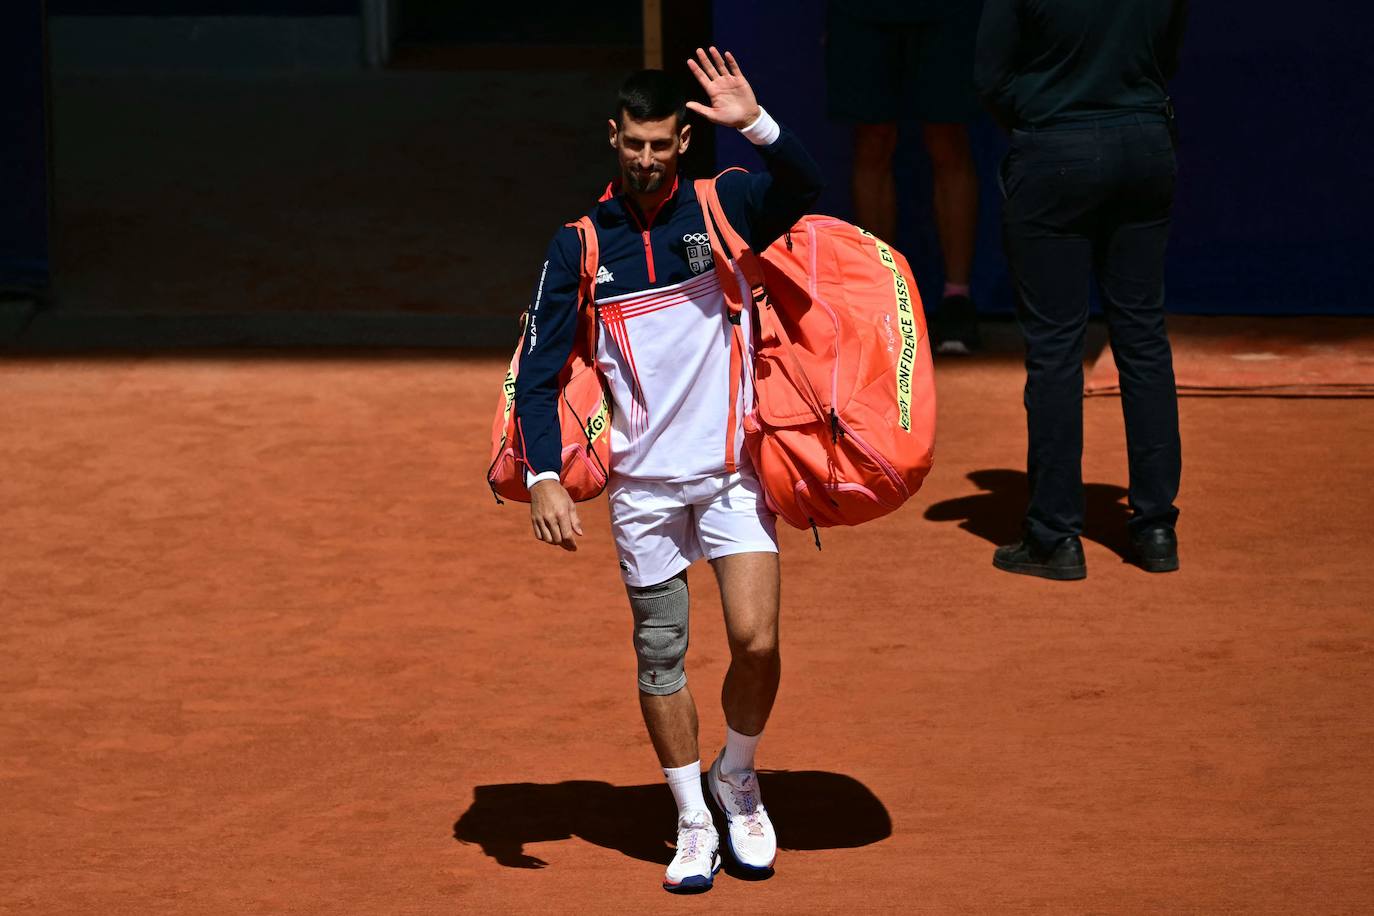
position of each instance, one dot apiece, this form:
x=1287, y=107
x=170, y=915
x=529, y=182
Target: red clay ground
x=268, y=644
x=1310, y=356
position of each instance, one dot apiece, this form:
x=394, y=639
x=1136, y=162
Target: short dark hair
x=651, y=95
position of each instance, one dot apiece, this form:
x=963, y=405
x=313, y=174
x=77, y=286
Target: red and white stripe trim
x=693, y=288
x=616, y=311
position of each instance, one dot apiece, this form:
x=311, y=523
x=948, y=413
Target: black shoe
x=1065, y=561
x=954, y=330
x=1156, y=550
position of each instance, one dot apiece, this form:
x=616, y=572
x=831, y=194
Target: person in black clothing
x=1088, y=188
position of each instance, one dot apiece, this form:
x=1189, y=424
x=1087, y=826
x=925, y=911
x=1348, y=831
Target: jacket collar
x=615, y=191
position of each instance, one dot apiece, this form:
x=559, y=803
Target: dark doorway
x=438, y=34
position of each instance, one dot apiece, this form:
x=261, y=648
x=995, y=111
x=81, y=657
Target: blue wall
x=1272, y=210
x=203, y=7
x=24, y=260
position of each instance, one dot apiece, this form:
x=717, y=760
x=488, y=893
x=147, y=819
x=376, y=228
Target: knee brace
x=660, y=636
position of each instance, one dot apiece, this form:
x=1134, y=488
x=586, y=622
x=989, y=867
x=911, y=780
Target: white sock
x=685, y=783
x=739, y=751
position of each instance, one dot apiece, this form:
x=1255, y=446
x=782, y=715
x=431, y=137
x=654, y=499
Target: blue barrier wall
x=203, y=7
x=1274, y=102
x=24, y=257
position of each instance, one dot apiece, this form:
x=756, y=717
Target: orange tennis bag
x=842, y=429
x=584, y=409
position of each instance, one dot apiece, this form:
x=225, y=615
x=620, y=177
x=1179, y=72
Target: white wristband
x=532, y=479
x=763, y=130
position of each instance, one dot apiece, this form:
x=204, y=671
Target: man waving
x=681, y=487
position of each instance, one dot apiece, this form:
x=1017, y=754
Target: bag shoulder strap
x=720, y=230
x=727, y=247
x=725, y=238
x=586, y=287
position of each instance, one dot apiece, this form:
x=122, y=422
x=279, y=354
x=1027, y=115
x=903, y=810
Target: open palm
x=732, y=99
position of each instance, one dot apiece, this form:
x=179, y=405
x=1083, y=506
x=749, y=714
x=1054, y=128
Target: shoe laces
x=689, y=834
x=746, y=797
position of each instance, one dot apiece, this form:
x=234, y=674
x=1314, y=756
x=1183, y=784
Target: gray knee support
x=660, y=613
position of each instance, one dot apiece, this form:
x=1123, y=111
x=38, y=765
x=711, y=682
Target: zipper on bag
x=878, y=459
x=834, y=318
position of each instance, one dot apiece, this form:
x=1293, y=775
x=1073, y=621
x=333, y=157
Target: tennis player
x=681, y=488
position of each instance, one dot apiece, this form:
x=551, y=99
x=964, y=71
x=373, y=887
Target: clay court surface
x=270, y=646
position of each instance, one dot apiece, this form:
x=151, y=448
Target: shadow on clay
x=995, y=514
x=811, y=809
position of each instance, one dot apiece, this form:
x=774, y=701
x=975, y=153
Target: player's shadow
x=811, y=809
x=995, y=514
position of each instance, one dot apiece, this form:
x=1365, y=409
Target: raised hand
x=732, y=99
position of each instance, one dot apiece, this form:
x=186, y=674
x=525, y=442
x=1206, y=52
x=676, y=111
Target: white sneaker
x=749, y=832
x=694, y=867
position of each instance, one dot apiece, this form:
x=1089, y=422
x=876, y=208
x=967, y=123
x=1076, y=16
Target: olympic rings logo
x=696, y=238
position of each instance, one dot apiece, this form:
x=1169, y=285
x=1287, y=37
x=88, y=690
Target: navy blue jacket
x=642, y=252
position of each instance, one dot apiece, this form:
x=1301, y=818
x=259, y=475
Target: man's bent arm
x=759, y=207
x=549, y=334
x=763, y=207
x=995, y=59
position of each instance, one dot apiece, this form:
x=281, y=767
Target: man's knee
x=874, y=145
x=660, y=635
x=947, y=145
x=755, y=649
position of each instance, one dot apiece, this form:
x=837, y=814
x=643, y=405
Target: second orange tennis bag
x=842, y=428
x=584, y=409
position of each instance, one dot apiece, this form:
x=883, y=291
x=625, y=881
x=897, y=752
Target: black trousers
x=1080, y=202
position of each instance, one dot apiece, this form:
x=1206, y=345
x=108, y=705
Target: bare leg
x=875, y=189
x=749, y=588
x=954, y=182
x=672, y=724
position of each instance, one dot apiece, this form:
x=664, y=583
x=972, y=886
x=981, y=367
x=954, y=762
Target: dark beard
x=644, y=184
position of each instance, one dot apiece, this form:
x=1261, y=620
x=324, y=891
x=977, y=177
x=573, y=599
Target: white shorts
x=662, y=528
